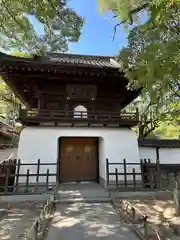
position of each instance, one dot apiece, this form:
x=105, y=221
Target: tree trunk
x=141, y=131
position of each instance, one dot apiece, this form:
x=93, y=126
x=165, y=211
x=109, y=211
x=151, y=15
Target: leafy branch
x=129, y=18
x=61, y=25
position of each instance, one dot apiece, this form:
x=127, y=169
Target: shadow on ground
x=88, y=221
x=161, y=215
x=15, y=223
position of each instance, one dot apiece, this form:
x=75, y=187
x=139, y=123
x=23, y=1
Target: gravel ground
x=161, y=215
x=16, y=220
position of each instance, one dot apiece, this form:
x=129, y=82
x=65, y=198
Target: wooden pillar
x=137, y=114
x=157, y=153
x=39, y=104
x=19, y=110
x=19, y=107
x=158, y=174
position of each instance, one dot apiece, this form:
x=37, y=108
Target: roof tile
x=161, y=143
x=82, y=60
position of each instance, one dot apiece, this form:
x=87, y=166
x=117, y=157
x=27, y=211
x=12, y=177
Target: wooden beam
x=68, y=69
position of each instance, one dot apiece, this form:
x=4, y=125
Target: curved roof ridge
x=74, y=55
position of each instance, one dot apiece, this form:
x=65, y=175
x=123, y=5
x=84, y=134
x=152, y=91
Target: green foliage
x=151, y=58
x=155, y=120
x=8, y=104
x=149, y=116
x=8, y=101
x=124, y=10
x=167, y=130
x=61, y=24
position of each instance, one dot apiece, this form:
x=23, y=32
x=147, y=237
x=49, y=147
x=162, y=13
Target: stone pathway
x=80, y=221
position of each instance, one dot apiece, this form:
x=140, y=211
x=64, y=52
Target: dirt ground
x=16, y=220
x=161, y=215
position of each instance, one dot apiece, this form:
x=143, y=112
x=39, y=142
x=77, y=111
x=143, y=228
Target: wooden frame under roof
x=56, y=84
x=27, y=76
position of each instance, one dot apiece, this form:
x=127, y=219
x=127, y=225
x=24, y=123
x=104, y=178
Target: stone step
x=81, y=196
x=82, y=200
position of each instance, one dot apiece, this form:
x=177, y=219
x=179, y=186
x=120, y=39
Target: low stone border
x=40, y=225
x=141, y=194
x=148, y=232
x=24, y=198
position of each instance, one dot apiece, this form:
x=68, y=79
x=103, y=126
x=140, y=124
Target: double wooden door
x=78, y=159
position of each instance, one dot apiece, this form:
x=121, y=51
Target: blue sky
x=97, y=32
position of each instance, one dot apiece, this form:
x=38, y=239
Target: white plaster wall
x=42, y=143
x=102, y=164
x=166, y=155
x=147, y=153
x=8, y=153
x=169, y=155
x=122, y=145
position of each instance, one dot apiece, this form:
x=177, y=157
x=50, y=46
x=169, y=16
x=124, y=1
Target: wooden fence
x=12, y=183
x=141, y=175
x=126, y=175
x=9, y=166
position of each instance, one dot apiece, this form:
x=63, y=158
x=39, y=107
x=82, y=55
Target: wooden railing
x=120, y=173
x=16, y=177
x=77, y=116
x=141, y=175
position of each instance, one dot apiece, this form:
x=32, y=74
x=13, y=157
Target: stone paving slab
x=80, y=221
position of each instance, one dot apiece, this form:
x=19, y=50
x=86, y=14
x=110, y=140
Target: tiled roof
x=61, y=60
x=161, y=143
x=81, y=60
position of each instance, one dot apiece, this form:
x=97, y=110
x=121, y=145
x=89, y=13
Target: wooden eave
x=13, y=75
x=12, y=69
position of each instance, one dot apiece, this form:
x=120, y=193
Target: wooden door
x=78, y=159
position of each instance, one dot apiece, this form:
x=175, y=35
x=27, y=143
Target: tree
x=149, y=116
x=9, y=103
x=9, y=110
x=155, y=121
x=61, y=25
x=167, y=130
x=151, y=59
